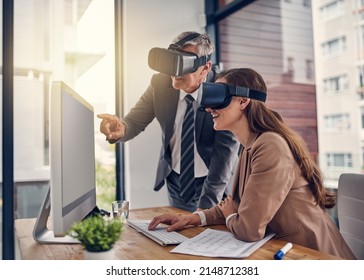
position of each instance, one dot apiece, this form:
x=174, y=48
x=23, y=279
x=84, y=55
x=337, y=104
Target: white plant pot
x=106, y=255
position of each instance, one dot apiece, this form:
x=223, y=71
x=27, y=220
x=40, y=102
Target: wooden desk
x=135, y=246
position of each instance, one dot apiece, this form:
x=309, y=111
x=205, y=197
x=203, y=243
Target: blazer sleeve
x=271, y=177
x=142, y=114
x=223, y=157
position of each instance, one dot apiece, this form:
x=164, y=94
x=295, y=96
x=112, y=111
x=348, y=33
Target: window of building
x=333, y=47
x=362, y=117
x=337, y=84
x=309, y=69
x=64, y=44
x=337, y=122
x=339, y=160
x=306, y=3
x=332, y=9
x=361, y=76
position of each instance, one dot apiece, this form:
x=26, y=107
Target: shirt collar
x=194, y=94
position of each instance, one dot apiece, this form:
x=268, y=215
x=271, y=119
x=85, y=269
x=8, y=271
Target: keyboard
x=159, y=235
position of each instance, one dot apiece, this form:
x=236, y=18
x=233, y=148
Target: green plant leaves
x=96, y=233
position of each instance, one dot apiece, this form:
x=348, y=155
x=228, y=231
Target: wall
x=150, y=24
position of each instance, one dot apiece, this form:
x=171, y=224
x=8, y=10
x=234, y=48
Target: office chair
x=350, y=205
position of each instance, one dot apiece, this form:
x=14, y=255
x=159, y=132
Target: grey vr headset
x=218, y=95
x=176, y=62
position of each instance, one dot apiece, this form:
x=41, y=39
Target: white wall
x=150, y=24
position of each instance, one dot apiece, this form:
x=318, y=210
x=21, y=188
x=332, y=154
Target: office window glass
x=276, y=39
x=72, y=41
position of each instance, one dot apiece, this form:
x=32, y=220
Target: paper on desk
x=217, y=243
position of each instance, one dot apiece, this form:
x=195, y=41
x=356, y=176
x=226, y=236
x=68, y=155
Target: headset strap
x=247, y=92
x=202, y=60
x=185, y=39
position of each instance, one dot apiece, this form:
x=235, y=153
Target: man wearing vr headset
x=183, y=67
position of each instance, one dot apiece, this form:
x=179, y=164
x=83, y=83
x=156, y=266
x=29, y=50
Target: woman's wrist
x=201, y=218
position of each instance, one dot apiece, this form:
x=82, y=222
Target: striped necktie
x=187, y=174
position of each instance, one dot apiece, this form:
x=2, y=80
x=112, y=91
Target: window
x=339, y=160
x=335, y=46
x=82, y=59
x=309, y=69
x=361, y=76
x=332, y=9
x=338, y=122
x=306, y=3
x=336, y=84
x=362, y=117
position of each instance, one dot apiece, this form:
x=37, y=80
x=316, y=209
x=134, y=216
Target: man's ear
x=207, y=67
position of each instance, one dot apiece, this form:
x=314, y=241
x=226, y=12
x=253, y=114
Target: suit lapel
x=200, y=115
x=170, y=113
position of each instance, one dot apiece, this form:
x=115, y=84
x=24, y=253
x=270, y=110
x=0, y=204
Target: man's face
x=191, y=81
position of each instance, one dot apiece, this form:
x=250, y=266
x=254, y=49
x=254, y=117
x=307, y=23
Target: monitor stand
x=41, y=233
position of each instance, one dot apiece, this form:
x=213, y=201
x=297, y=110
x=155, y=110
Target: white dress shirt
x=175, y=143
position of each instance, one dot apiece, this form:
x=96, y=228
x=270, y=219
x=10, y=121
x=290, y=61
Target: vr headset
x=218, y=95
x=175, y=62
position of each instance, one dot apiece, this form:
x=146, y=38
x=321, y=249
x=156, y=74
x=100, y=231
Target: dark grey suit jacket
x=218, y=149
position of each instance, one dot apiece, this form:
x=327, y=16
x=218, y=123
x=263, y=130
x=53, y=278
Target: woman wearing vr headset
x=278, y=187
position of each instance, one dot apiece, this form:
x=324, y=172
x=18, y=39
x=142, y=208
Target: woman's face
x=229, y=117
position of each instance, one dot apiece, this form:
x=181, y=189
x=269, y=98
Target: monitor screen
x=72, y=194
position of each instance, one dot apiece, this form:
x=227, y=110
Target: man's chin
x=177, y=82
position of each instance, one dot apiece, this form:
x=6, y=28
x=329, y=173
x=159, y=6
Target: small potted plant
x=97, y=235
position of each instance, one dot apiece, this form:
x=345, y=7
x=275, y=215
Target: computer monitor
x=72, y=191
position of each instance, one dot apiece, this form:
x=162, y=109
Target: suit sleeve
x=141, y=115
x=224, y=156
x=272, y=176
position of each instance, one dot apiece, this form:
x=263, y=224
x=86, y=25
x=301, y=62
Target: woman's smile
x=215, y=115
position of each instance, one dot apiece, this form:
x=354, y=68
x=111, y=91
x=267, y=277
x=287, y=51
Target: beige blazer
x=274, y=197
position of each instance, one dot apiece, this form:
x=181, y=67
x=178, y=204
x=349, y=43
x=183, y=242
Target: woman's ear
x=244, y=102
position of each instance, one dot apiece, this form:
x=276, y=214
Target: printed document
x=217, y=243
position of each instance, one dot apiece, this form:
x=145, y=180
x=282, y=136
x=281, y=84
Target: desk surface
x=135, y=246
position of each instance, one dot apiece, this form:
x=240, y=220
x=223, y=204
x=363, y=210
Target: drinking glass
x=120, y=209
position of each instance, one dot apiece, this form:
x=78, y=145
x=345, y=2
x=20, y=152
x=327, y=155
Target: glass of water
x=120, y=209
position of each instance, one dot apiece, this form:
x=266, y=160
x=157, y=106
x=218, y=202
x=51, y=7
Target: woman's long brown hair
x=261, y=119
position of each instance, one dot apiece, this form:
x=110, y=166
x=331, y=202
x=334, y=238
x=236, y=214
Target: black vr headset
x=176, y=62
x=218, y=95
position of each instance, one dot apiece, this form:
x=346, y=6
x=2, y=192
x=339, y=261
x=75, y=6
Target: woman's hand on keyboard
x=174, y=222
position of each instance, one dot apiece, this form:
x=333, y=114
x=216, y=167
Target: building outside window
x=334, y=46
x=339, y=160
x=331, y=10
x=337, y=122
x=337, y=84
x=58, y=40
